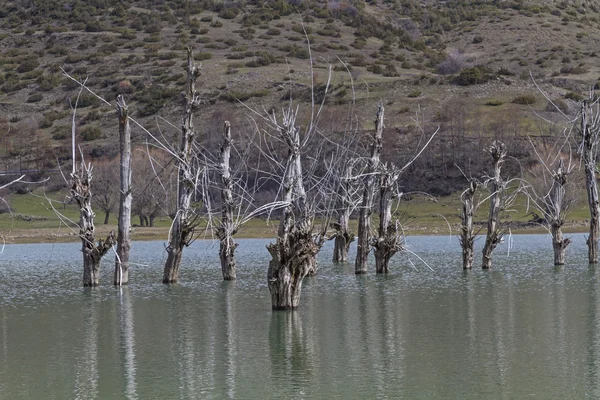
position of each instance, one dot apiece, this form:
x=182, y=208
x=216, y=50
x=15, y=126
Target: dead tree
x=92, y=254
x=364, y=218
x=590, y=137
x=121, y=276
x=228, y=228
x=494, y=234
x=342, y=235
x=556, y=209
x=467, y=235
x=500, y=201
x=185, y=221
x=80, y=192
x=548, y=192
x=389, y=238
x=293, y=255
x=390, y=235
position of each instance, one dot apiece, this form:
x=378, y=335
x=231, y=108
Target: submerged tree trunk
x=293, y=255
x=92, y=253
x=555, y=211
x=590, y=138
x=389, y=240
x=494, y=233
x=343, y=235
x=121, y=276
x=467, y=237
x=182, y=228
x=364, y=217
x=227, y=229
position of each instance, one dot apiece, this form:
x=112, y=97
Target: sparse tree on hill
x=107, y=194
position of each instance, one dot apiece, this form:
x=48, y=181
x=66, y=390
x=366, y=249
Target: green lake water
x=523, y=330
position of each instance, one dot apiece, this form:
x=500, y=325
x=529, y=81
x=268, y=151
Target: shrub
x=414, y=93
x=452, y=64
x=45, y=123
x=573, y=96
x=60, y=132
x=477, y=39
x=87, y=99
x=557, y=103
x=34, y=98
x=203, y=55
x=228, y=13
x=390, y=70
x=525, y=99
x=494, y=103
x=233, y=96
x=90, y=133
x=473, y=76
x=27, y=65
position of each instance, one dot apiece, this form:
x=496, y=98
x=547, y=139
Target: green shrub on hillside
x=525, y=99
x=574, y=96
x=89, y=133
x=27, y=65
x=494, y=103
x=35, y=98
x=473, y=76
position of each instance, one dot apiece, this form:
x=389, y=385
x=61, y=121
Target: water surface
x=523, y=330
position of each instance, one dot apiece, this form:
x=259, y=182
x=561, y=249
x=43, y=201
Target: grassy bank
x=33, y=220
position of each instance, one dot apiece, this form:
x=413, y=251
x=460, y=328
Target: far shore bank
x=63, y=235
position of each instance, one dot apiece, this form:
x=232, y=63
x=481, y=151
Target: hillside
x=463, y=65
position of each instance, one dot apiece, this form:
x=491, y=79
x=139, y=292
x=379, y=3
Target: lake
x=522, y=330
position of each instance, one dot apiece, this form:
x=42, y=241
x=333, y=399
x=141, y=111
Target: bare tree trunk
x=182, y=229
x=589, y=133
x=227, y=229
x=106, y=217
x=92, y=253
x=559, y=244
x=293, y=255
x=555, y=211
x=364, y=217
x=343, y=235
x=121, y=276
x=467, y=237
x=389, y=240
x=494, y=234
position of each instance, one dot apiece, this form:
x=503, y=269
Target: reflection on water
x=523, y=329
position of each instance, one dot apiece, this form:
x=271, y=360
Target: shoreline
x=58, y=235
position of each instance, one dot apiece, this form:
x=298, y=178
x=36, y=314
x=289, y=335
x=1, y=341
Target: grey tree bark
x=389, y=238
x=92, y=253
x=182, y=228
x=80, y=190
x=590, y=136
x=121, y=276
x=293, y=255
x=364, y=217
x=467, y=236
x=494, y=233
x=227, y=229
x=343, y=235
x=555, y=210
